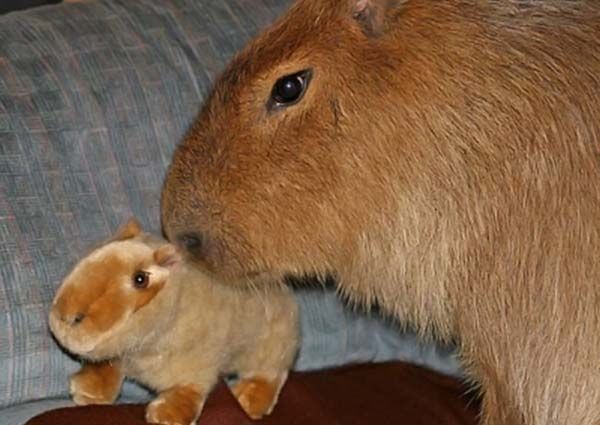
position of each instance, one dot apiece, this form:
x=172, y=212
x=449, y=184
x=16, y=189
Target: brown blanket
x=392, y=393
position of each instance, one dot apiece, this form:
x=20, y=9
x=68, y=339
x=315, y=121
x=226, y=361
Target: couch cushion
x=94, y=96
x=376, y=394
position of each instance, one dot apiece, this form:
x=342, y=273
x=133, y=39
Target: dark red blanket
x=391, y=393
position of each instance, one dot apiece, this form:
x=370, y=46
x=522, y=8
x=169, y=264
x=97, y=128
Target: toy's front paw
x=179, y=405
x=96, y=384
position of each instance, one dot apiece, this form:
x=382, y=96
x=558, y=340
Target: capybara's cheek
x=261, y=228
x=214, y=247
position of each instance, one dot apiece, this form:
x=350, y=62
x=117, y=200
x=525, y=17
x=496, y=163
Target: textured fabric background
x=93, y=98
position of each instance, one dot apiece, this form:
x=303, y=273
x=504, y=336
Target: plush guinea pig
x=133, y=308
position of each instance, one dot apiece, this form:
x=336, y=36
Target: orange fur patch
x=103, y=301
x=180, y=404
x=256, y=396
x=97, y=383
x=130, y=229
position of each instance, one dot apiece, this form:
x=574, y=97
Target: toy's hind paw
x=256, y=395
x=180, y=405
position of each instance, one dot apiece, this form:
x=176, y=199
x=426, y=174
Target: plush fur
x=176, y=334
x=443, y=161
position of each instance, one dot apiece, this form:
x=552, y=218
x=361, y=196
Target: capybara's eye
x=289, y=89
x=141, y=279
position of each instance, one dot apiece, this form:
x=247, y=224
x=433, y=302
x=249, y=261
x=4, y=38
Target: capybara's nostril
x=192, y=242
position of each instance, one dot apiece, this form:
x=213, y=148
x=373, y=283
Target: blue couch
x=94, y=95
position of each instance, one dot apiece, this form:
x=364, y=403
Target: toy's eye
x=289, y=89
x=141, y=279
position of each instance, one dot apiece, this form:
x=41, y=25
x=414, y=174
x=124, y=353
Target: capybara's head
x=294, y=162
x=115, y=296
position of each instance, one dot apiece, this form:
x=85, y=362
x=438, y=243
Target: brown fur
x=447, y=167
x=176, y=333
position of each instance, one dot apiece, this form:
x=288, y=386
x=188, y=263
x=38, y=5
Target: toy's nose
x=73, y=319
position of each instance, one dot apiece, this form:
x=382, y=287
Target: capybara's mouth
x=215, y=257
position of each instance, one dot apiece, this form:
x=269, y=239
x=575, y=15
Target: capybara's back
x=439, y=157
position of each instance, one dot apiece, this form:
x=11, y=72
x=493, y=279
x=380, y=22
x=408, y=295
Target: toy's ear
x=371, y=14
x=130, y=229
x=167, y=256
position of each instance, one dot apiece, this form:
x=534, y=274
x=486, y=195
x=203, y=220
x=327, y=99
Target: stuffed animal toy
x=133, y=308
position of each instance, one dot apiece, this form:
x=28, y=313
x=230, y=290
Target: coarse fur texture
x=444, y=161
x=176, y=332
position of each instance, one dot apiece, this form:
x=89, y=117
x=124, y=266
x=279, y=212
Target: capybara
x=133, y=308
x=440, y=158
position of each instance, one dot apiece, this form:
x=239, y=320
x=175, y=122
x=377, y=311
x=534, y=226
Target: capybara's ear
x=371, y=14
x=130, y=229
x=167, y=256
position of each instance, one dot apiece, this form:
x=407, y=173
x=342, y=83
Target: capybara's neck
x=478, y=178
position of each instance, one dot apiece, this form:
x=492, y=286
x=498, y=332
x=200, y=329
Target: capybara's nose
x=192, y=242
